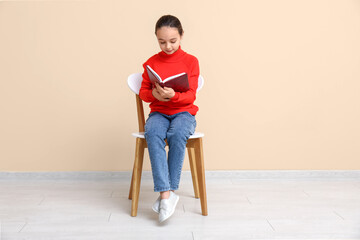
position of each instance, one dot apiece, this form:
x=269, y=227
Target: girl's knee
x=178, y=135
x=153, y=132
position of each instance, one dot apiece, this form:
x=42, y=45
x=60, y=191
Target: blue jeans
x=176, y=129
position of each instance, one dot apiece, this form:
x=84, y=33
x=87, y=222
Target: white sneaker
x=168, y=206
x=156, y=205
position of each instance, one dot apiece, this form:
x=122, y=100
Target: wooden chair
x=194, y=146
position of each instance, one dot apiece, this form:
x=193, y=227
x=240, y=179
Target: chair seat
x=195, y=135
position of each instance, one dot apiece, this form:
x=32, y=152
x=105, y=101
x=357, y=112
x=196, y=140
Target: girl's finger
x=160, y=89
x=157, y=86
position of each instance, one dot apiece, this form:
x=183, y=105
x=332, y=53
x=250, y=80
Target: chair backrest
x=134, y=83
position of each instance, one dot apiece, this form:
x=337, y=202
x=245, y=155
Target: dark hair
x=169, y=21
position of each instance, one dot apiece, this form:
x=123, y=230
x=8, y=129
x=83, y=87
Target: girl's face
x=169, y=39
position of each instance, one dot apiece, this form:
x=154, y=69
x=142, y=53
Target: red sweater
x=167, y=65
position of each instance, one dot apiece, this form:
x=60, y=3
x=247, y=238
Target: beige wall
x=282, y=87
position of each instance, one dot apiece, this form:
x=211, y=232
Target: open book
x=178, y=82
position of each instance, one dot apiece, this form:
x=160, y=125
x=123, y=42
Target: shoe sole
x=172, y=212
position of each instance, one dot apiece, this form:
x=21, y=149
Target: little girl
x=172, y=115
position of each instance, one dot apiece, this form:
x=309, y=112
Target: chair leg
x=132, y=182
x=191, y=152
x=201, y=175
x=138, y=164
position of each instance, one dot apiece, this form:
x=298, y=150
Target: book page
x=154, y=77
x=172, y=77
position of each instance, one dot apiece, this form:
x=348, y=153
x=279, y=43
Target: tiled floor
x=238, y=209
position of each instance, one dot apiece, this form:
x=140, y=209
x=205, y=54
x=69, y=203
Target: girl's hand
x=158, y=96
x=165, y=92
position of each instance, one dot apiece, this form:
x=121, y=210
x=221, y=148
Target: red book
x=178, y=82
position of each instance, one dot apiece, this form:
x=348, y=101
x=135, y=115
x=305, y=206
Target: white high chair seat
x=195, y=135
